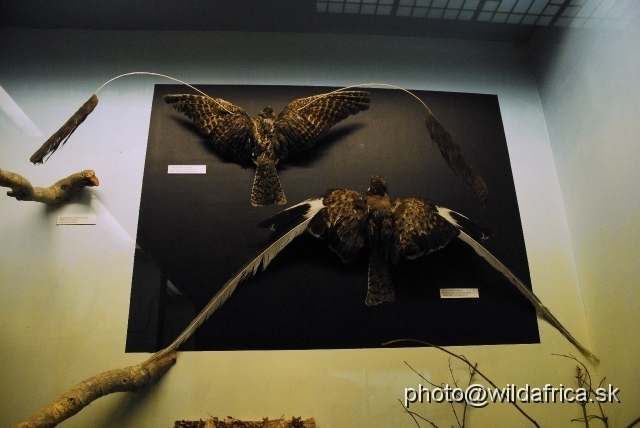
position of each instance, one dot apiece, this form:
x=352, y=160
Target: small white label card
x=76, y=219
x=187, y=169
x=459, y=293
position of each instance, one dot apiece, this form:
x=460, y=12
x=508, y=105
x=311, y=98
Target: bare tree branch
x=464, y=360
x=132, y=378
x=22, y=190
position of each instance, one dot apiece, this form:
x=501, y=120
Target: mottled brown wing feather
x=342, y=222
x=229, y=127
x=455, y=157
x=418, y=229
x=305, y=120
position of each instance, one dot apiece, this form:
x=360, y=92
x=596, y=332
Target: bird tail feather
x=379, y=285
x=455, y=157
x=462, y=222
x=266, y=188
x=61, y=136
x=283, y=221
x=249, y=269
x=540, y=308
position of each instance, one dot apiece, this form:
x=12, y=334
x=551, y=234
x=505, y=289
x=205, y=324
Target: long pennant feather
x=61, y=136
x=451, y=151
x=249, y=269
x=497, y=265
x=456, y=157
x=540, y=308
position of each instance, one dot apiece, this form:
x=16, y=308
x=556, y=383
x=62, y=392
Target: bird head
x=267, y=113
x=377, y=187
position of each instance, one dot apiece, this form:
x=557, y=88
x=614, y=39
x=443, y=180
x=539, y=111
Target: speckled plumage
x=267, y=140
x=418, y=229
x=389, y=230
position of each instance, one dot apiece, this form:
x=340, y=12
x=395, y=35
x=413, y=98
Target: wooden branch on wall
x=22, y=190
x=132, y=379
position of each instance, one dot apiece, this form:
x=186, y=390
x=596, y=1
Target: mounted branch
x=131, y=379
x=22, y=190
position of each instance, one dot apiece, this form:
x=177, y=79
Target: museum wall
x=589, y=87
x=65, y=290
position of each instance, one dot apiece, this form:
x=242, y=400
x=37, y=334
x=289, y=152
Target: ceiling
x=489, y=20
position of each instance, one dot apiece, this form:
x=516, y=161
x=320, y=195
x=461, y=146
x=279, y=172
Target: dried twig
x=584, y=378
x=455, y=382
x=472, y=372
x=634, y=423
x=414, y=415
x=464, y=360
x=422, y=377
x=580, y=375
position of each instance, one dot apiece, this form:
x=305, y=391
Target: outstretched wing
x=420, y=228
x=342, y=222
x=303, y=121
x=339, y=218
x=229, y=127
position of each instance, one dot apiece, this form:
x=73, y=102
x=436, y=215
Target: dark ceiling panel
x=488, y=20
x=257, y=15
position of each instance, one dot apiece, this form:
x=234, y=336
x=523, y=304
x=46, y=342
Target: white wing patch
x=446, y=214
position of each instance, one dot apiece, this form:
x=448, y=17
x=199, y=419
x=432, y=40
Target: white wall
x=65, y=290
x=590, y=89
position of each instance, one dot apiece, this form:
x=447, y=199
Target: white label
x=459, y=293
x=187, y=169
x=76, y=219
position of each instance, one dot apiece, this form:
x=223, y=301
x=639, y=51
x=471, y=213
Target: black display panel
x=197, y=230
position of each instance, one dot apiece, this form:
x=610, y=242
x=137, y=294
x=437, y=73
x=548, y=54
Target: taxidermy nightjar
x=266, y=140
x=390, y=230
x=387, y=229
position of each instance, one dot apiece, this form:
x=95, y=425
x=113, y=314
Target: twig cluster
x=473, y=370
